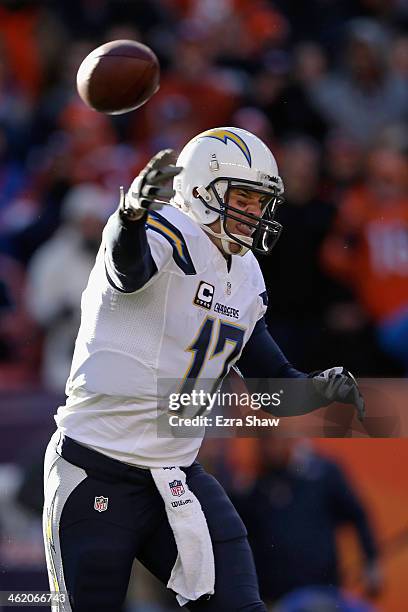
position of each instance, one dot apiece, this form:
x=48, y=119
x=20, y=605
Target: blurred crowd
x=324, y=83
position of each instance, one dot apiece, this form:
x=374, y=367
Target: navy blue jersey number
x=228, y=334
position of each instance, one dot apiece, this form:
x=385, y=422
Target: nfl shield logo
x=101, y=503
x=176, y=488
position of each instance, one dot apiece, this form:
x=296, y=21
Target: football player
x=168, y=257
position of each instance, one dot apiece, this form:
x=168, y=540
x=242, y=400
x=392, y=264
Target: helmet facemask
x=265, y=231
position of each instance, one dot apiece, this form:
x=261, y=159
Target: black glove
x=148, y=190
x=339, y=385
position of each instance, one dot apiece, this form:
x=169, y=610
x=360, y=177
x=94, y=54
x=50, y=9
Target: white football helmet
x=216, y=161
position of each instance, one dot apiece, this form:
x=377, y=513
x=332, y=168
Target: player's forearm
x=262, y=363
x=128, y=260
x=296, y=398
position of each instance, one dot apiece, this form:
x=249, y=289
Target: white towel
x=193, y=574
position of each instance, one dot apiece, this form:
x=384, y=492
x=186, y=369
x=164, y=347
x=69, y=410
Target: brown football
x=118, y=77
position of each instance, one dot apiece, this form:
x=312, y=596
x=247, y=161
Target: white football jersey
x=190, y=320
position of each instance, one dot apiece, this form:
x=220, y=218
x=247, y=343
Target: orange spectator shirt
x=368, y=250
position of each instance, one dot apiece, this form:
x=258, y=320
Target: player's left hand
x=339, y=385
x=149, y=190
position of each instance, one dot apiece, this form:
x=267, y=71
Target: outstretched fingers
x=162, y=175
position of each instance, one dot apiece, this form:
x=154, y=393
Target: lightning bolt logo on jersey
x=190, y=321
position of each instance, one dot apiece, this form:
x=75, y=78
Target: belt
x=100, y=466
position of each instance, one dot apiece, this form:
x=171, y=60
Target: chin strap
x=226, y=241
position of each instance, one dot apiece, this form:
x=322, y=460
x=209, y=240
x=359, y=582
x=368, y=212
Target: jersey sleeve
x=262, y=357
x=132, y=255
x=262, y=360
